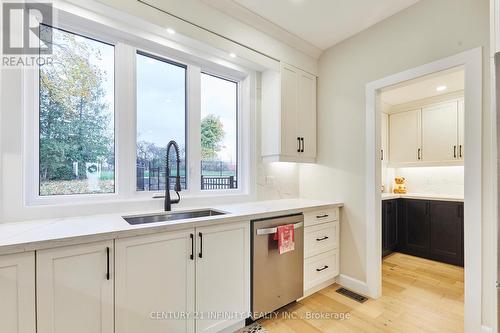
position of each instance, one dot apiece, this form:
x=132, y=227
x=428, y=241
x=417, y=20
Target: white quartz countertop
x=423, y=196
x=41, y=234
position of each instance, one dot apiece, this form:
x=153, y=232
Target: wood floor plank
x=418, y=295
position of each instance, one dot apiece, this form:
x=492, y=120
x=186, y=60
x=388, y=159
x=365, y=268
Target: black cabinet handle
x=298, y=142
x=201, y=245
x=382, y=154
x=303, y=145
x=322, y=216
x=419, y=156
x=455, y=151
x=321, y=269
x=460, y=151
x=192, y=246
x=321, y=239
x=107, y=264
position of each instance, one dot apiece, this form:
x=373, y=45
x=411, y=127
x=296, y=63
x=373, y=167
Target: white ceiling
x=424, y=87
x=323, y=23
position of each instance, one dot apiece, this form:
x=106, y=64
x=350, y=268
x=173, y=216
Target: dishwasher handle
x=270, y=231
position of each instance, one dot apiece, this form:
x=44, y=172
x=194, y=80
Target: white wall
x=428, y=31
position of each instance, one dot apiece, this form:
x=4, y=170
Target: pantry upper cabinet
x=431, y=135
x=440, y=132
x=405, y=140
x=288, y=115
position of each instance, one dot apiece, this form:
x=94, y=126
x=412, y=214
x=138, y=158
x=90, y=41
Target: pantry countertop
x=423, y=196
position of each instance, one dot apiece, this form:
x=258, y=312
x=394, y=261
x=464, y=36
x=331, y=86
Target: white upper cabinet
x=431, y=135
x=288, y=115
x=290, y=111
x=75, y=289
x=461, y=129
x=405, y=137
x=307, y=115
x=155, y=273
x=17, y=293
x=222, y=274
x=440, y=132
x=384, y=143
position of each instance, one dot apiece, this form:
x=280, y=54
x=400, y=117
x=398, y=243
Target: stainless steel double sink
x=171, y=216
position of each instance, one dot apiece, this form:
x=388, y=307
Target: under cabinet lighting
x=171, y=31
x=441, y=88
x=232, y=55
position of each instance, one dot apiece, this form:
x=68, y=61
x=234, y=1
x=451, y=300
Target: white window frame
x=125, y=117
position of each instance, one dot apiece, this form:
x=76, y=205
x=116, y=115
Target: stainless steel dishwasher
x=277, y=280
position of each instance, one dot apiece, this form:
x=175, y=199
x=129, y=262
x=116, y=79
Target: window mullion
x=125, y=119
x=194, y=128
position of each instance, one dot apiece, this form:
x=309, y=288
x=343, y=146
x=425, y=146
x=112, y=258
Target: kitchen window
x=76, y=117
x=98, y=120
x=219, y=135
x=161, y=117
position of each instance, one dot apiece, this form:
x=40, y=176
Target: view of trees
x=150, y=154
x=212, y=134
x=75, y=118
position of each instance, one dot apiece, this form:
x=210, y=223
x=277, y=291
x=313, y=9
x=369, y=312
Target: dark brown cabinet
x=424, y=228
x=446, y=240
x=416, y=237
x=390, y=226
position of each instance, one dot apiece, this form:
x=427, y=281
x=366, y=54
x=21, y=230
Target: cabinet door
x=307, y=114
x=461, y=129
x=155, y=275
x=385, y=249
x=289, y=113
x=392, y=225
x=440, y=132
x=446, y=241
x=417, y=227
x=75, y=289
x=17, y=290
x=222, y=274
x=385, y=137
x=405, y=136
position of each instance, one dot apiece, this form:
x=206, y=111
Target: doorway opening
x=422, y=189
x=432, y=117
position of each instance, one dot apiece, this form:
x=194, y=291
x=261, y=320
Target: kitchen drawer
x=321, y=216
x=320, y=268
x=321, y=238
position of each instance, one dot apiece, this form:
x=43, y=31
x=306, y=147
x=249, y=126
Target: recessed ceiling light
x=232, y=55
x=441, y=88
x=171, y=31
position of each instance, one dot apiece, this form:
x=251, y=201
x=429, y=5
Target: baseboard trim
x=317, y=288
x=486, y=329
x=353, y=284
x=234, y=327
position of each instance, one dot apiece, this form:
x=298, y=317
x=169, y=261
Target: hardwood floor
x=418, y=295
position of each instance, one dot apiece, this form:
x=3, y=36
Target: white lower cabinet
x=222, y=275
x=194, y=280
x=321, y=249
x=321, y=268
x=17, y=293
x=75, y=289
x=163, y=280
x=155, y=283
